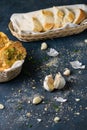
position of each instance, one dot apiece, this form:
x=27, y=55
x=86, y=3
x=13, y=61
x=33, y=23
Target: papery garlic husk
x=59, y=81
x=48, y=83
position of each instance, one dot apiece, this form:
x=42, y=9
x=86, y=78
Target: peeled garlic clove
x=56, y=119
x=1, y=106
x=66, y=72
x=48, y=83
x=59, y=81
x=44, y=46
x=37, y=100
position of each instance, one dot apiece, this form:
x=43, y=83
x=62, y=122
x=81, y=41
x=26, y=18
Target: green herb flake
x=76, y=51
x=56, y=107
x=19, y=106
x=30, y=126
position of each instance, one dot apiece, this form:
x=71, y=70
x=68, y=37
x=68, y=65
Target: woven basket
x=10, y=74
x=54, y=33
x=49, y=35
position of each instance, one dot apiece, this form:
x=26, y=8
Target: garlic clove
x=56, y=119
x=44, y=46
x=37, y=100
x=48, y=83
x=66, y=72
x=59, y=81
x=1, y=106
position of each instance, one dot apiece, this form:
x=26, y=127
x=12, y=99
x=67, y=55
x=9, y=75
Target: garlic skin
x=59, y=81
x=48, y=83
x=77, y=65
x=52, y=52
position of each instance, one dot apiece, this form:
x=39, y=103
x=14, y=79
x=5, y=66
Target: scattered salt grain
x=85, y=40
x=77, y=65
x=33, y=87
x=29, y=101
x=28, y=114
x=86, y=108
x=39, y=120
x=77, y=113
x=45, y=108
x=77, y=99
x=52, y=52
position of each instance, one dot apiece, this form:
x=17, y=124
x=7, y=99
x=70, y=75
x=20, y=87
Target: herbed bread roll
x=12, y=56
x=44, y=23
x=10, y=51
x=3, y=40
x=13, y=51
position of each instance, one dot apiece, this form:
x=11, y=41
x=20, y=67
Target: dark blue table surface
x=16, y=94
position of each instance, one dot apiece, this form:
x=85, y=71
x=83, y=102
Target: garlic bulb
x=48, y=83
x=59, y=81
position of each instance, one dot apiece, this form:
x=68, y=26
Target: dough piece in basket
x=69, y=16
x=12, y=52
x=80, y=15
x=37, y=27
x=47, y=19
x=58, y=17
x=28, y=24
x=3, y=40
